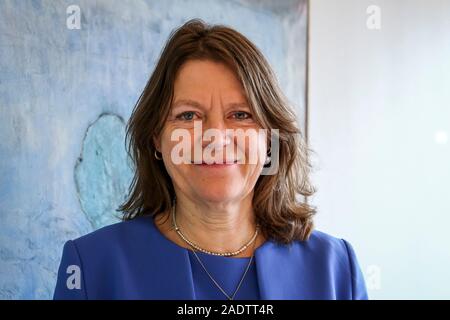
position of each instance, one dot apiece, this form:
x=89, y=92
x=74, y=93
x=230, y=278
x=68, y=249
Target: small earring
x=268, y=158
x=156, y=156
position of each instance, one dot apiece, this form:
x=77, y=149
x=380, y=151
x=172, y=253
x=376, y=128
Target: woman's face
x=208, y=95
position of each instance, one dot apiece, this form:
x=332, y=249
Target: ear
x=157, y=143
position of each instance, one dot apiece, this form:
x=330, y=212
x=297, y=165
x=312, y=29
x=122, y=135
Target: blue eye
x=242, y=115
x=187, y=116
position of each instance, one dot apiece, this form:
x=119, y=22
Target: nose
x=217, y=140
x=215, y=127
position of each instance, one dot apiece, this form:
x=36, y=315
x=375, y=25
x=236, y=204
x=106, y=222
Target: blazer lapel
x=172, y=266
x=279, y=272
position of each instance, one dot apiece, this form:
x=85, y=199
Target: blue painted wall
x=65, y=96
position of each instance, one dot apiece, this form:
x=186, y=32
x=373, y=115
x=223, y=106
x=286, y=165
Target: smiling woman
x=204, y=230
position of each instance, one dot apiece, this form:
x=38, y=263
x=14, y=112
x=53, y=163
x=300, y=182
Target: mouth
x=216, y=164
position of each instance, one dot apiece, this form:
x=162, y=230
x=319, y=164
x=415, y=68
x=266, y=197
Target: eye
x=242, y=115
x=186, y=116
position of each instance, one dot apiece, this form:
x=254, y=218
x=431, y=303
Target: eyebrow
x=196, y=104
x=189, y=103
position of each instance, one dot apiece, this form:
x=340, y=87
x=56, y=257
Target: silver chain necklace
x=203, y=266
x=215, y=282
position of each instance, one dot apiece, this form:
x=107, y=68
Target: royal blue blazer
x=134, y=260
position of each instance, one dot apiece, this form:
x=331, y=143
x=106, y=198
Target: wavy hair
x=281, y=215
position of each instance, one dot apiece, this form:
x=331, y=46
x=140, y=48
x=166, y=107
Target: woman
x=206, y=222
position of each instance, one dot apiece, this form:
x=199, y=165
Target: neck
x=217, y=227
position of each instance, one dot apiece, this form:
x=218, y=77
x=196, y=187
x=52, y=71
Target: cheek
x=173, y=154
x=255, y=150
x=176, y=143
x=166, y=146
x=259, y=144
x=166, y=149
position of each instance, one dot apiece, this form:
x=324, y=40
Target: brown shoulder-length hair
x=281, y=215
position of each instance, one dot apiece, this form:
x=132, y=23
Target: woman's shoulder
x=329, y=260
x=100, y=258
x=326, y=241
x=323, y=245
x=121, y=234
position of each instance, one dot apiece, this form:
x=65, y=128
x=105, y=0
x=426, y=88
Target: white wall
x=379, y=122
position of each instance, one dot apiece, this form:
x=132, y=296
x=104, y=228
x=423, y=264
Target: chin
x=218, y=194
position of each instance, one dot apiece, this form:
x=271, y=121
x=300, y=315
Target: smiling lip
x=216, y=165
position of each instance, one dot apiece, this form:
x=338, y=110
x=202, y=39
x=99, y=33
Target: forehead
x=203, y=78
